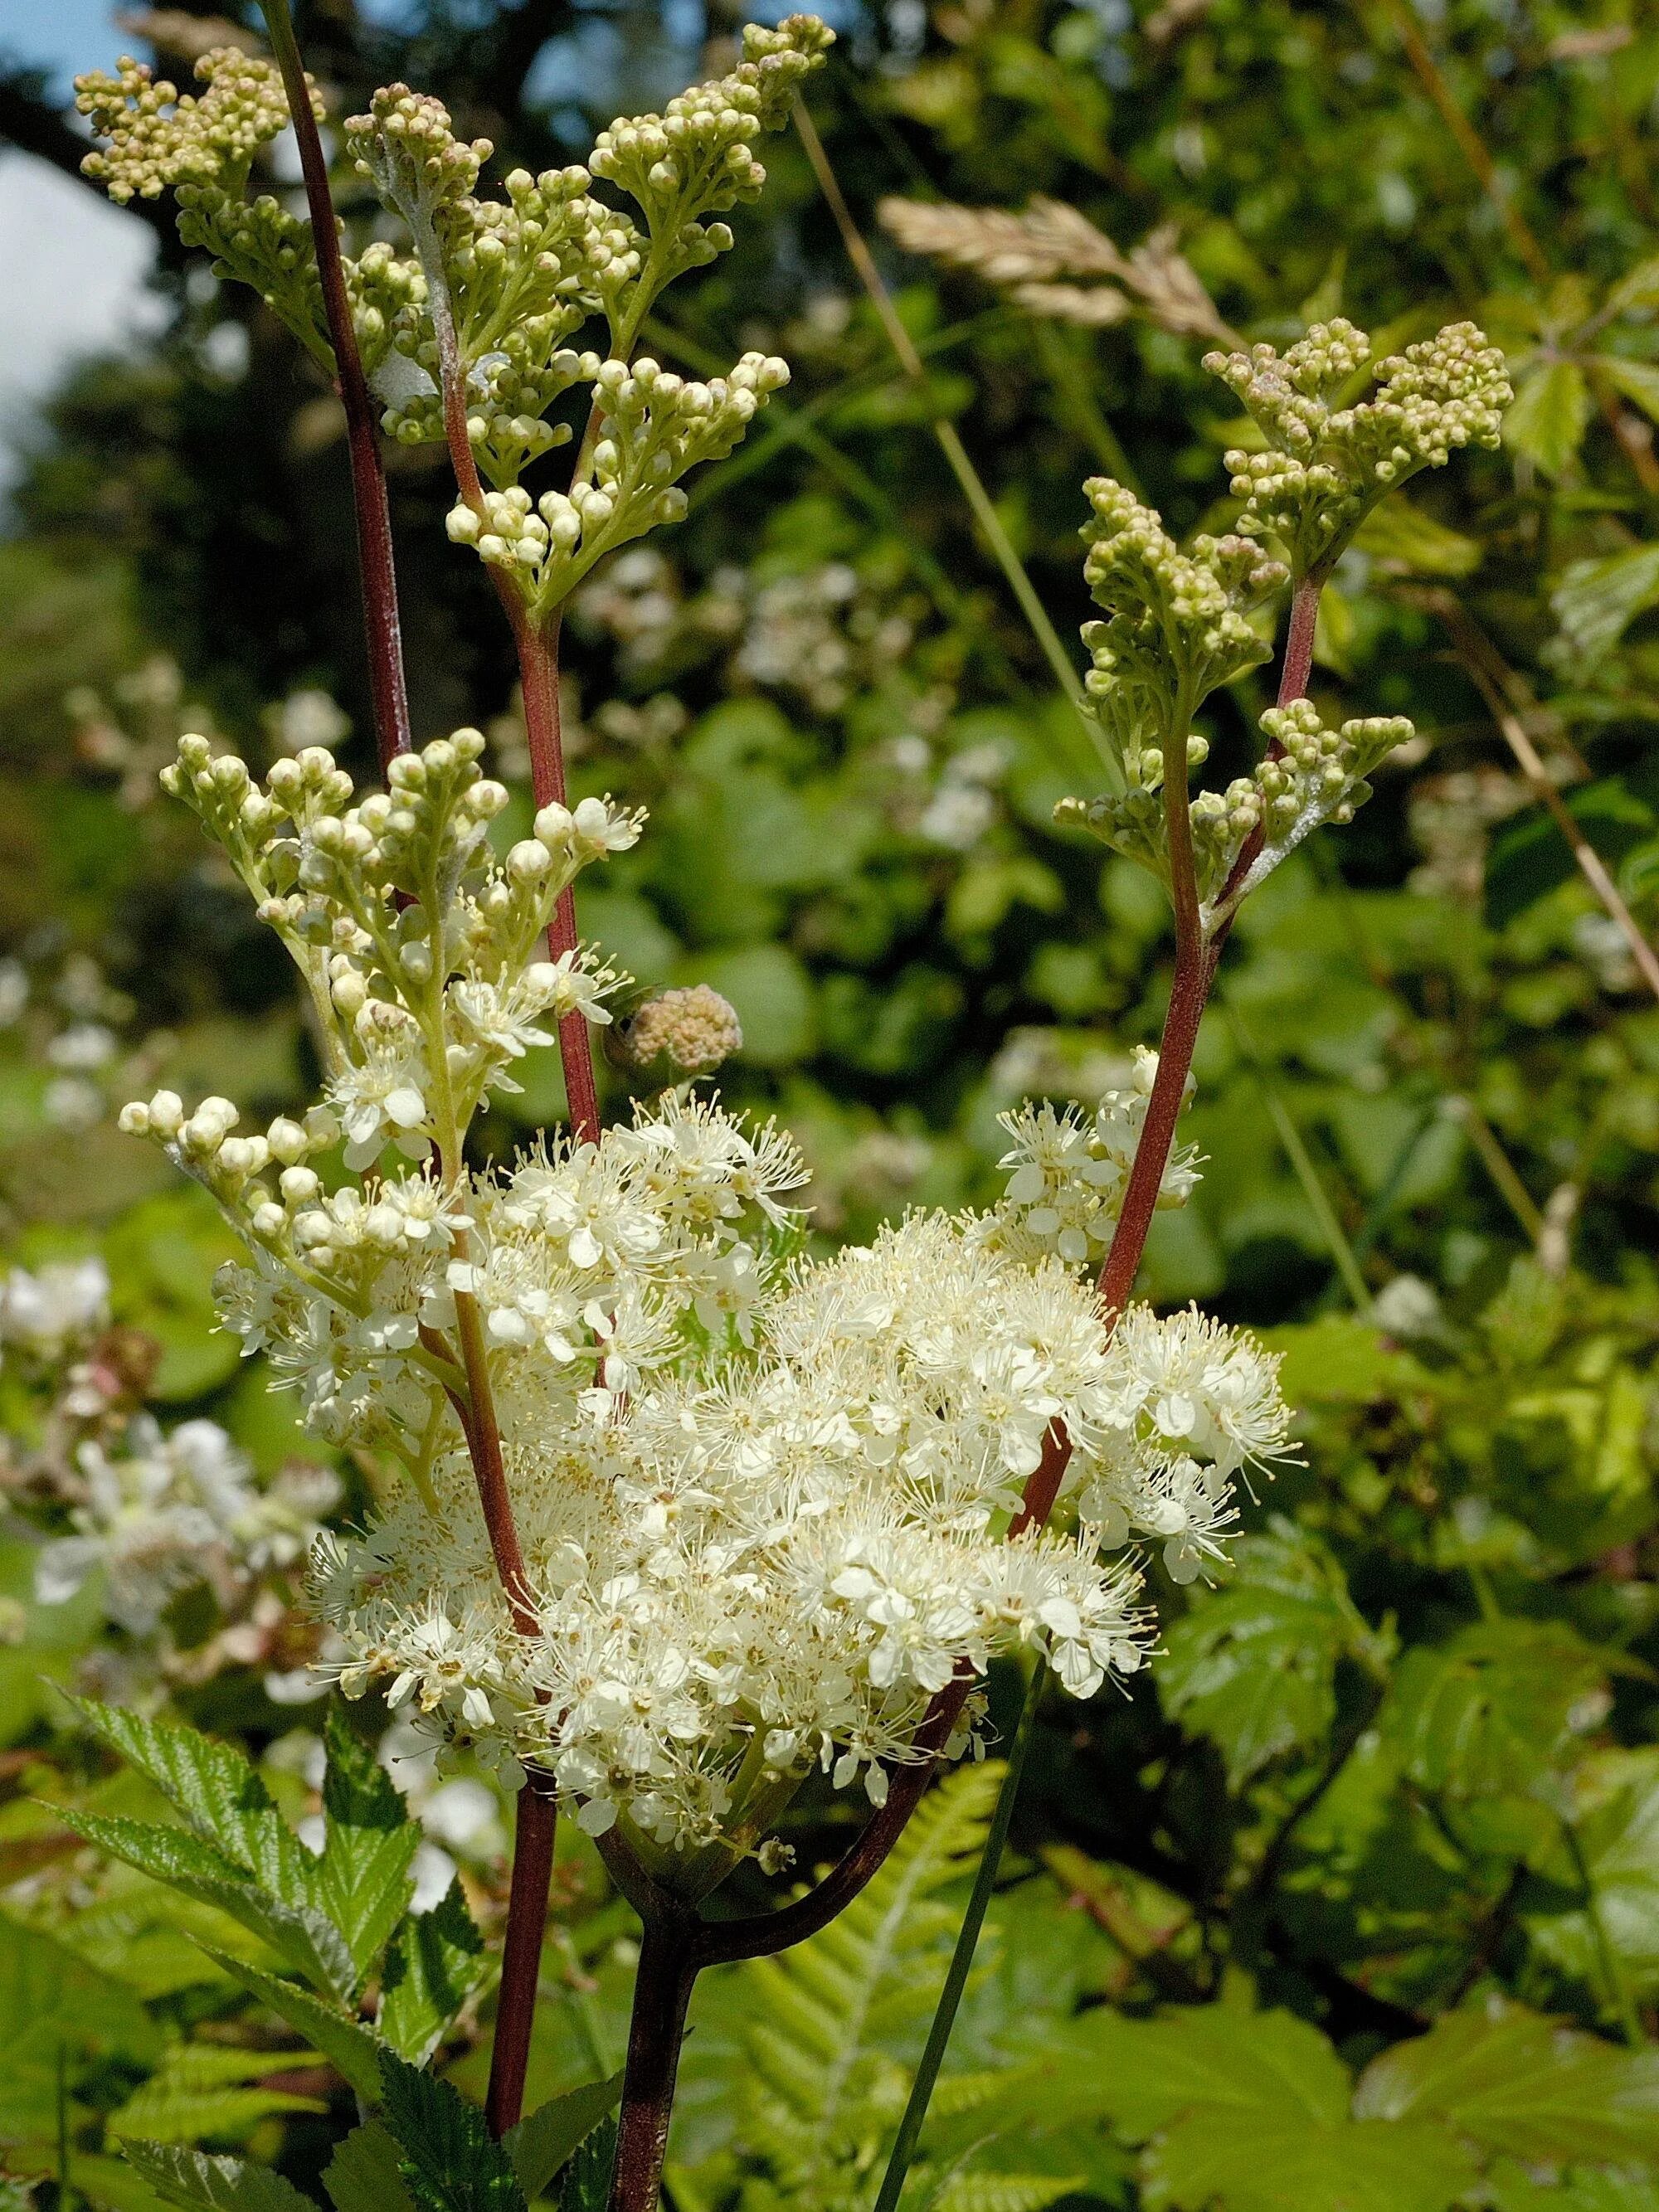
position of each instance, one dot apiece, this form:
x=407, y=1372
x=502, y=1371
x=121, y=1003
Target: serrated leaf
x=1634, y=379
x=1548, y=417
x=546, y=2138
x=451, y=2161
x=307, y=1941
x=1146, y=2073
x=1265, y=2162
x=1618, y=1839
x=366, y=2173
x=1486, y=1713
x=1523, y=2085
x=350, y=2047
x=586, y=2185
x=202, y=2184
x=369, y=1841
x=1253, y=1665
x=219, y=1795
x=435, y=1962
x=1596, y=601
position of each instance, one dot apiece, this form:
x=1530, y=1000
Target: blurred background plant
x=1396, y=1773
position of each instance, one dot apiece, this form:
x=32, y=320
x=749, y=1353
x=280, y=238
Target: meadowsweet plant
x=684, y=1514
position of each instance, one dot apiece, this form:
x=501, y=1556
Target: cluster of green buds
x=1311, y=775
x=507, y=282
x=1177, y=624
x=656, y=427
x=1325, y=466
x=420, y=946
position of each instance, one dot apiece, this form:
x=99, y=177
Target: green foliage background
x=1288, y=1926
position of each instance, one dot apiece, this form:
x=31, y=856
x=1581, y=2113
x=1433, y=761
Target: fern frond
x=972, y=2191
x=825, y=2083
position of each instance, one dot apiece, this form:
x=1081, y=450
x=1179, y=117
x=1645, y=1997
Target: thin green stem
x=1301, y=1159
x=962, y=1958
x=1618, y=1989
x=979, y=500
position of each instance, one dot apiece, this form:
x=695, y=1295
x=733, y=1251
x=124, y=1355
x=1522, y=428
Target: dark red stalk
x=382, y=621
x=521, y=1958
x=1194, y=973
x=668, y=1966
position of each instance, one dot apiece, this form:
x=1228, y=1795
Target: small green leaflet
x=434, y=1965
x=451, y=2161
x=1484, y=1714
x=1596, y=601
x=1618, y=1839
x=369, y=1840
x=540, y=2144
x=203, y=2089
x=586, y=2185
x=1265, y=2162
x=1253, y=1665
x=366, y=2173
x=219, y=1795
x=352, y=2049
x=304, y=1940
x=1549, y=416
x=201, y=2184
x=1215, y=2057
x=1523, y=2085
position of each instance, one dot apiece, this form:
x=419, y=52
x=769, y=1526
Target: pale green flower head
x=1325, y=465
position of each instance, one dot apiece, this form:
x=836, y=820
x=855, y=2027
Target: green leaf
x=541, y=2143
x=1617, y=1836
x=1549, y=416
x=219, y=1794
x=352, y=2049
x=1633, y=379
x=1403, y=536
x=586, y=2185
x=1266, y=2161
x=996, y=2192
x=201, y=2184
x=1146, y=2073
x=366, y=2173
x=202, y=2090
x=305, y=1941
x=1596, y=601
x=450, y=2160
x=1521, y=2084
x=369, y=1842
x=1530, y=858
x=1253, y=1665
x=53, y=2003
x=1514, y=2190
x=435, y=1962
x=1488, y=1712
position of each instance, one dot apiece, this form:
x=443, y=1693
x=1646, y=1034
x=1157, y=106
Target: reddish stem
x=382, y=621
x=669, y=1961
x=538, y=669
x=521, y=1960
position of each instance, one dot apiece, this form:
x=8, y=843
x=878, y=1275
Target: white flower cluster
x=157, y=1514
x=1067, y=1172
x=1325, y=466
x=45, y=1313
x=754, y=1553
x=763, y=1500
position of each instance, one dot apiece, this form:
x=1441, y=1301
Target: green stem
x=1619, y=1988
x=979, y=500
x=962, y=1958
x=1296, y=1150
